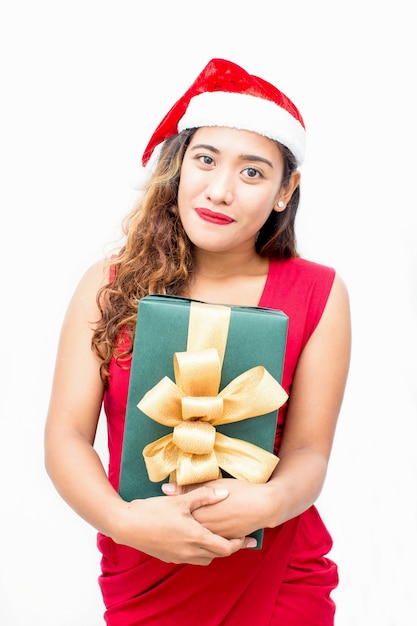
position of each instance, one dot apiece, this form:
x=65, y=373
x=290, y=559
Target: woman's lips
x=213, y=217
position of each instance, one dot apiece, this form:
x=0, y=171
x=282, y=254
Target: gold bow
x=194, y=452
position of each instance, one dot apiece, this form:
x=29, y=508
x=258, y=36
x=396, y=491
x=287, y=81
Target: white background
x=83, y=85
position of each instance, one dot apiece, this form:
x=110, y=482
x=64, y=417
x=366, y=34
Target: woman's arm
x=316, y=399
x=313, y=409
x=76, y=469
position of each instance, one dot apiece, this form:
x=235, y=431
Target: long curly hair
x=157, y=258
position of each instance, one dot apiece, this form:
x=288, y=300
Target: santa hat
x=224, y=94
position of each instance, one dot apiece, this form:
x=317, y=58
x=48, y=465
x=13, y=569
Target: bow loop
x=206, y=409
x=198, y=372
x=194, y=437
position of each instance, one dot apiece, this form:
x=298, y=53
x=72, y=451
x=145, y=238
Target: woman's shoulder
x=302, y=266
x=299, y=285
x=96, y=275
x=92, y=280
x=303, y=289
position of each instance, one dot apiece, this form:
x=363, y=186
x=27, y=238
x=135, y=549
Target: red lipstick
x=213, y=217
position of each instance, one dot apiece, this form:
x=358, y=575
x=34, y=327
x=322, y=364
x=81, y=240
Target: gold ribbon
x=192, y=406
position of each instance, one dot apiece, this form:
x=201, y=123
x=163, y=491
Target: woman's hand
x=243, y=512
x=167, y=528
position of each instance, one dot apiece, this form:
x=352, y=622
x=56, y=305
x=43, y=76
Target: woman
x=215, y=224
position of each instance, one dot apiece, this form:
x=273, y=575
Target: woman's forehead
x=223, y=138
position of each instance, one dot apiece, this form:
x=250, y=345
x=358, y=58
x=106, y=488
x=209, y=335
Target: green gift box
x=181, y=340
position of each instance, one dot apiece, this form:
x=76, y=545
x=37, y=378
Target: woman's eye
x=205, y=159
x=251, y=172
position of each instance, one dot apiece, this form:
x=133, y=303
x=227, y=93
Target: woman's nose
x=220, y=188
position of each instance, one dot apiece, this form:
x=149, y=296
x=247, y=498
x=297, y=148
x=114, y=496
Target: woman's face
x=229, y=184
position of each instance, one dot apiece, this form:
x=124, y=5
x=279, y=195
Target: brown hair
x=157, y=255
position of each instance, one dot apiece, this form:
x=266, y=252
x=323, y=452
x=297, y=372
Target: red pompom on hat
x=224, y=94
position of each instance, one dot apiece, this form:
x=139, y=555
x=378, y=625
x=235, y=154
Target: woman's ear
x=286, y=192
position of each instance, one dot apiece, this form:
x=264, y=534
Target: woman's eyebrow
x=254, y=157
x=205, y=146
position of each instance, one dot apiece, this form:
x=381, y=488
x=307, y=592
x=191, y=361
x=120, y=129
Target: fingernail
x=221, y=492
x=252, y=543
x=169, y=488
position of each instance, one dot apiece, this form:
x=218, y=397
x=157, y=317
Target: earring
x=281, y=204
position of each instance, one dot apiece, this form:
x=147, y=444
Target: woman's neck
x=228, y=279
x=224, y=266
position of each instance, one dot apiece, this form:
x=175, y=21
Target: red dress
x=286, y=583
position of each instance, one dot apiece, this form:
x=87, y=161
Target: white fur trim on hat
x=246, y=112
